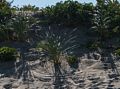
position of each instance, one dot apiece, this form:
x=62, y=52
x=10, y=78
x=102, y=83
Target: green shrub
x=71, y=59
x=117, y=52
x=7, y=54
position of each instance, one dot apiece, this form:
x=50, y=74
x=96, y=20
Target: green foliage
x=72, y=59
x=14, y=25
x=5, y=11
x=55, y=45
x=69, y=13
x=6, y=31
x=105, y=16
x=21, y=24
x=7, y=54
x=101, y=20
x=51, y=48
x=117, y=52
x=114, y=13
x=5, y=15
x=106, y=13
x=29, y=8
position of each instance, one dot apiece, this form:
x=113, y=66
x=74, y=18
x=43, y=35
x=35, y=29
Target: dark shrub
x=117, y=52
x=7, y=54
x=73, y=61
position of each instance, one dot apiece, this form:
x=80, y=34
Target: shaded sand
x=35, y=75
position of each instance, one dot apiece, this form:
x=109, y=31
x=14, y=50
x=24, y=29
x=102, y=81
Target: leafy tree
x=21, y=23
x=29, y=8
x=5, y=11
x=106, y=19
x=88, y=10
x=101, y=20
x=69, y=13
x=114, y=13
x=5, y=16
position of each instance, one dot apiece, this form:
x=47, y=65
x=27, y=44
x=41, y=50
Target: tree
x=29, y=8
x=5, y=16
x=69, y=13
x=88, y=10
x=21, y=23
x=5, y=11
x=114, y=13
x=101, y=20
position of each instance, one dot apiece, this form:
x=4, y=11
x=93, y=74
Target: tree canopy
x=5, y=11
x=69, y=13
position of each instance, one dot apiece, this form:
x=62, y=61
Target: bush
x=69, y=13
x=71, y=59
x=7, y=54
x=117, y=52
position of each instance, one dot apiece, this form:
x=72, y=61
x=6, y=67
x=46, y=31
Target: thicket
x=69, y=13
x=103, y=19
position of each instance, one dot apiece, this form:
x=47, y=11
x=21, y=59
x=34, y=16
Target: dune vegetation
x=63, y=39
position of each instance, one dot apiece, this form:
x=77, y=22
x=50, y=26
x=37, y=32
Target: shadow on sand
x=59, y=80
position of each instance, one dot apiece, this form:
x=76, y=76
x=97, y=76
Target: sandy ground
x=35, y=75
